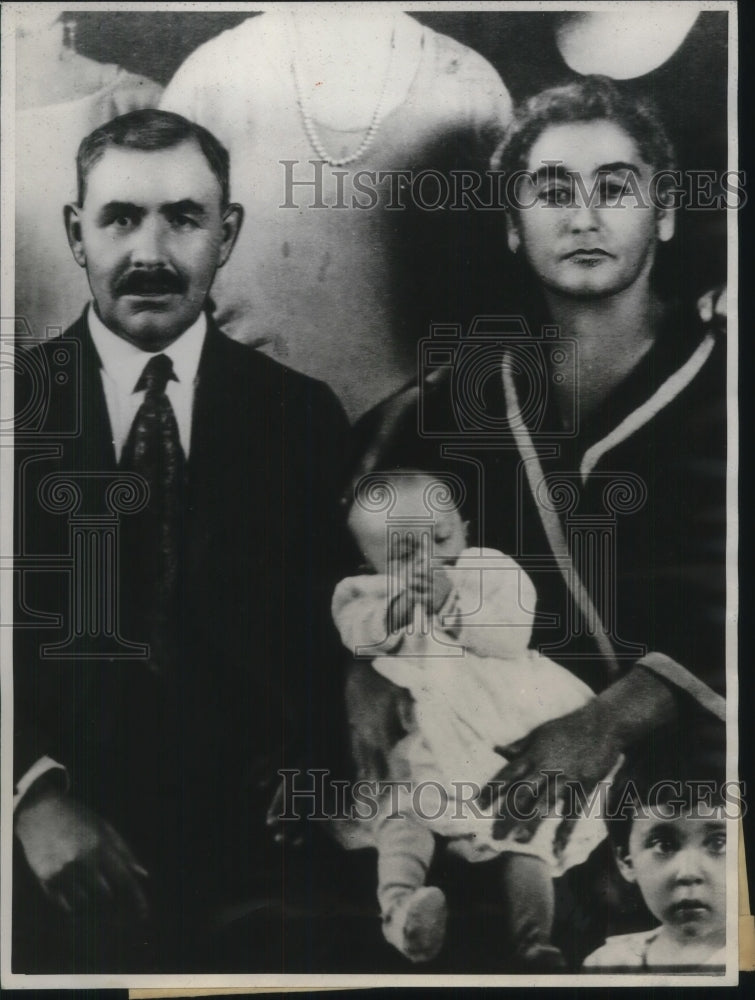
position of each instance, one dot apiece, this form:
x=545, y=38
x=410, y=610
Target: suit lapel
x=235, y=469
x=216, y=437
x=94, y=445
x=208, y=423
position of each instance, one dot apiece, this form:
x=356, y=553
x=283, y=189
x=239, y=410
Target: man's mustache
x=150, y=283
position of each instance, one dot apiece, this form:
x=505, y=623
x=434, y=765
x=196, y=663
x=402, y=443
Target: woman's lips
x=586, y=253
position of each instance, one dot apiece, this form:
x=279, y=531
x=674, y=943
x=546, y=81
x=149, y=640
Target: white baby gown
x=475, y=685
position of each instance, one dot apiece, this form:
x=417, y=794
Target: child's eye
x=662, y=845
x=716, y=843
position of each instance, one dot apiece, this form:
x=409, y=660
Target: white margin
x=7, y=223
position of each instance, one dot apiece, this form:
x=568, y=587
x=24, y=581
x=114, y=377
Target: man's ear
x=624, y=863
x=72, y=217
x=512, y=233
x=233, y=216
x=665, y=224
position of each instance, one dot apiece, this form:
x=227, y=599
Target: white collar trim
x=668, y=391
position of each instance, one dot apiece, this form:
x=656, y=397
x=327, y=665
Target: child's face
x=410, y=534
x=680, y=868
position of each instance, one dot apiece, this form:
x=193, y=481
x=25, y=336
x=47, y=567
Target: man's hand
x=581, y=747
x=77, y=857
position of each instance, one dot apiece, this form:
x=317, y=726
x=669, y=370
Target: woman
x=594, y=446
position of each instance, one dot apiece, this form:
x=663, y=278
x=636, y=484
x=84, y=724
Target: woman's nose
x=583, y=216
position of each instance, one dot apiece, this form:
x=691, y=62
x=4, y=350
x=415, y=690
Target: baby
x=452, y=625
x=673, y=847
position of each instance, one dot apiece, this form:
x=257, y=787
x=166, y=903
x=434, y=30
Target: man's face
x=151, y=234
x=680, y=868
x=582, y=246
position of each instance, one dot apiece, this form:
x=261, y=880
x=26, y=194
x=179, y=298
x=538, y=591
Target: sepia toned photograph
x=369, y=460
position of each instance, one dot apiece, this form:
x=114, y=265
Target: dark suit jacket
x=184, y=766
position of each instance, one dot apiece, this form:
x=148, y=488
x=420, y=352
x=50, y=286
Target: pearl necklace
x=308, y=122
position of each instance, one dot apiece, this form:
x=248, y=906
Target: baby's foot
x=416, y=924
x=543, y=958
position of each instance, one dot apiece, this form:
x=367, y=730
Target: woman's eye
x=555, y=196
x=611, y=192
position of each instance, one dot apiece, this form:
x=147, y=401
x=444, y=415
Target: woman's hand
x=579, y=749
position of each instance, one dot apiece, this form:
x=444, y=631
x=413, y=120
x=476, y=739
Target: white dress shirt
x=122, y=366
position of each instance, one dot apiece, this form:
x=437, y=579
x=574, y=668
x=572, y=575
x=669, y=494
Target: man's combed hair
x=592, y=98
x=149, y=130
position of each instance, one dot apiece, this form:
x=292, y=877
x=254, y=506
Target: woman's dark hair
x=592, y=98
x=150, y=129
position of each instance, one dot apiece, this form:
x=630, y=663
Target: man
x=153, y=714
x=599, y=457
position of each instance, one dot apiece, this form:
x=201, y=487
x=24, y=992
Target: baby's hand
x=401, y=610
x=441, y=588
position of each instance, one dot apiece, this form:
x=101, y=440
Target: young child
x=669, y=838
x=452, y=625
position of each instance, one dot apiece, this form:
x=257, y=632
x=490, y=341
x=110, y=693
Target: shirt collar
x=124, y=362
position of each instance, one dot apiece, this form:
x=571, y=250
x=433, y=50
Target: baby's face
x=411, y=534
x=680, y=867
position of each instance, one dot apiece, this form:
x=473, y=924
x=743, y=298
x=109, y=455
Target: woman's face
x=587, y=223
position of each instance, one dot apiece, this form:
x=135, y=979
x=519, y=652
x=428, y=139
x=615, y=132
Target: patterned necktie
x=151, y=551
